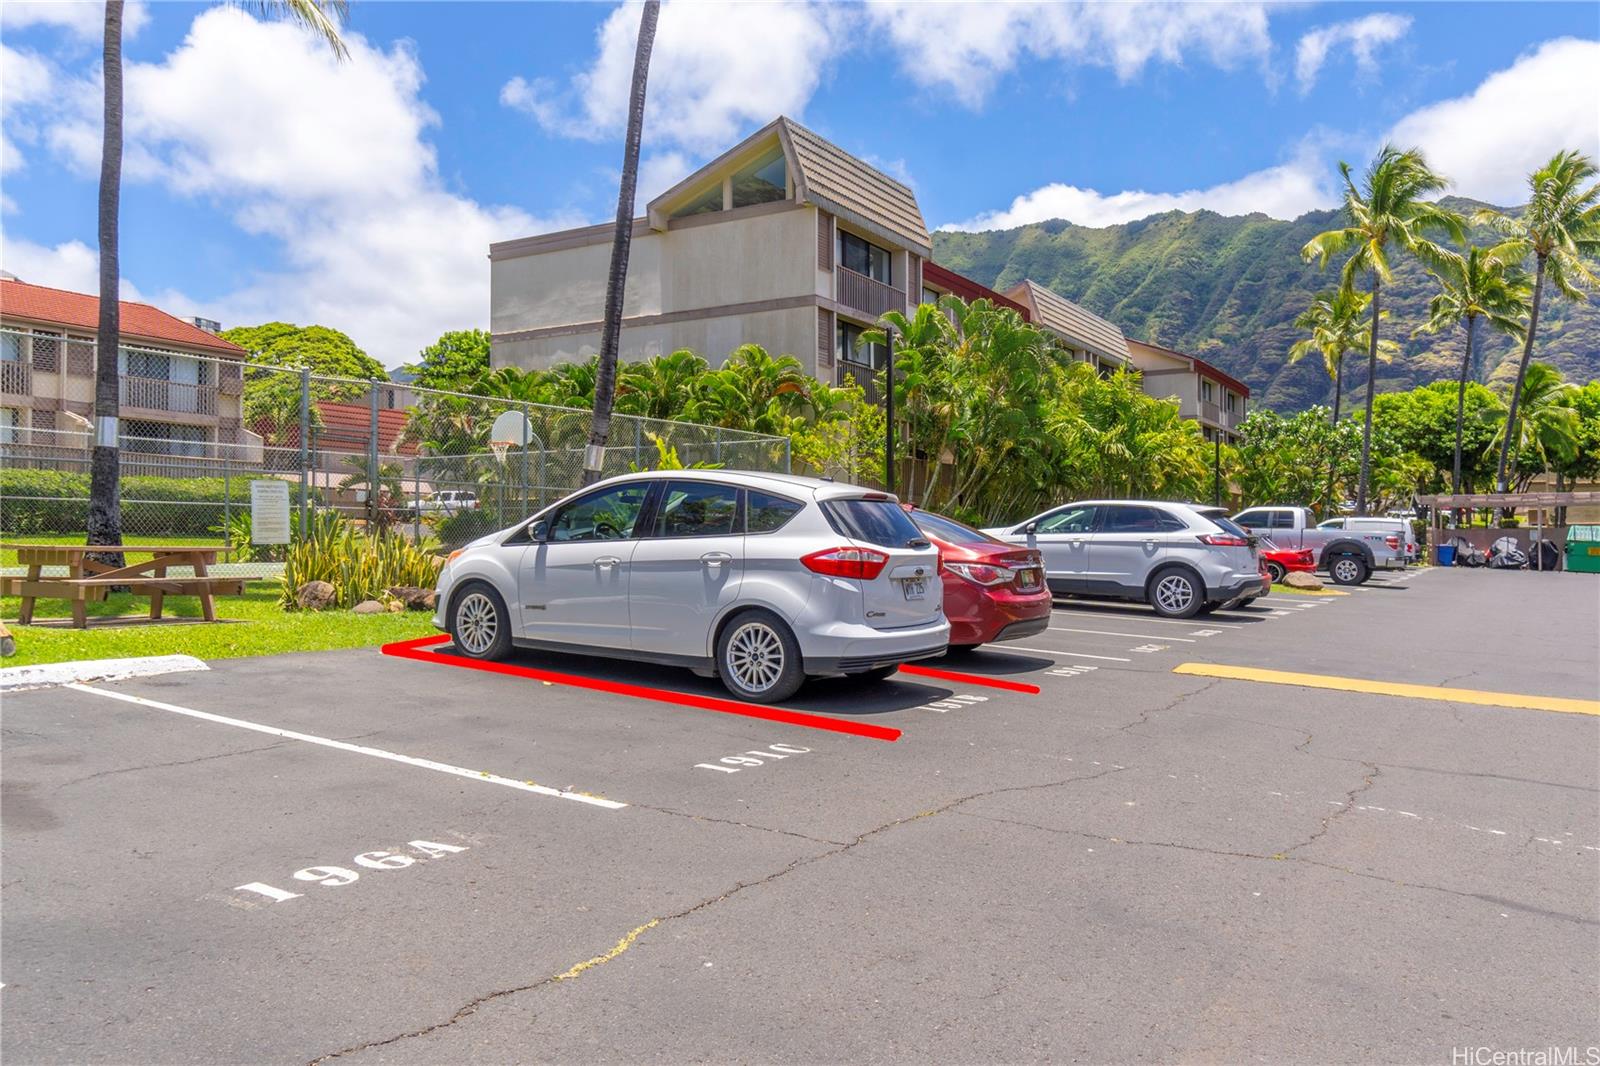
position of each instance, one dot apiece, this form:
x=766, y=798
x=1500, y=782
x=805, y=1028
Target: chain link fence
x=196, y=431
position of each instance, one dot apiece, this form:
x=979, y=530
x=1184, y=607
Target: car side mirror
x=1031, y=528
x=539, y=532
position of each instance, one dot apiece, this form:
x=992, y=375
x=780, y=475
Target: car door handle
x=716, y=558
x=606, y=562
x=1078, y=543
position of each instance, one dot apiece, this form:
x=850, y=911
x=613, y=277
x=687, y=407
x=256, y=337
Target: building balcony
x=16, y=378
x=867, y=296
x=177, y=397
x=861, y=374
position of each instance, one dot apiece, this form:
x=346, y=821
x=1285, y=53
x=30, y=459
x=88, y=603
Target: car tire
x=1348, y=570
x=758, y=658
x=1277, y=571
x=480, y=625
x=1207, y=608
x=1176, y=593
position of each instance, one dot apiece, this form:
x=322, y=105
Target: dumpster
x=1583, y=549
x=1447, y=555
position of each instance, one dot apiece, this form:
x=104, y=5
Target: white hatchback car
x=759, y=579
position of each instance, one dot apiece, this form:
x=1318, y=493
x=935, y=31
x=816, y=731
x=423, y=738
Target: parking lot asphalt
x=356, y=856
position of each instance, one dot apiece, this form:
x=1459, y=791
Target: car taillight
x=1223, y=540
x=863, y=563
x=982, y=573
x=1392, y=541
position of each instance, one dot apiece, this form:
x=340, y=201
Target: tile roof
x=77, y=310
x=1077, y=326
x=345, y=427
x=836, y=180
x=944, y=278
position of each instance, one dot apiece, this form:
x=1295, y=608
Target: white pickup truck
x=444, y=503
x=1348, y=555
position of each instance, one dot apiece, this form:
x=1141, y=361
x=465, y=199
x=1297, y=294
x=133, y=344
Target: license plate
x=1027, y=579
x=915, y=588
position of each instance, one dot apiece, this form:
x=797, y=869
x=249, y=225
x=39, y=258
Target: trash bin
x=1447, y=555
x=1583, y=549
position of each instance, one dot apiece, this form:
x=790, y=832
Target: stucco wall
x=792, y=331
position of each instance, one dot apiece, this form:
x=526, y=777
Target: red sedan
x=992, y=590
x=1281, y=561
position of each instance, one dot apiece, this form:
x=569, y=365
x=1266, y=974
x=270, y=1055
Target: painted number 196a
x=336, y=876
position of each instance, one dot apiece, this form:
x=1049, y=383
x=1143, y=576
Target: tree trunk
x=1338, y=394
x=1522, y=370
x=605, y=384
x=105, y=495
x=1372, y=385
x=1461, y=406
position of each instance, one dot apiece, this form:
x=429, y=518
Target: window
x=697, y=509
x=762, y=182
x=1230, y=400
x=1253, y=519
x=9, y=422
x=929, y=296
x=1069, y=520
x=864, y=257
x=1282, y=520
x=1128, y=519
x=138, y=363
x=949, y=530
x=608, y=515
x=708, y=201
x=10, y=347
x=1208, y=392
x=880, y=522
x=765, y=512
x=848, y=347
x=163, y=438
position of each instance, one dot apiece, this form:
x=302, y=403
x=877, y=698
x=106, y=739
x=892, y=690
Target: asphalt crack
x=628, y=940
x=1145, y=715
x=1371, y=777
x=198, y=759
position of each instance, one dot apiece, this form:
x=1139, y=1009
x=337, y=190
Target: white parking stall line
x=359, y=749
x=1111, y=633
x=1164, y=621
x=1073, y=654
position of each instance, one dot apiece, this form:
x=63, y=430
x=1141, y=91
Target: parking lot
x=386, y=858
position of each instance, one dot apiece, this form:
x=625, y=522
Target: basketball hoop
x=500, y=448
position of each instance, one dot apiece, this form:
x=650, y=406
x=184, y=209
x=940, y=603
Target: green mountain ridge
x=1228, y=288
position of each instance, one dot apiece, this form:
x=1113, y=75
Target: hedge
x=54, y=501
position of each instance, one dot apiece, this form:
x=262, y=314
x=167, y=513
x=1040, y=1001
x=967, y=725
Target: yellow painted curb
x=1393, y=688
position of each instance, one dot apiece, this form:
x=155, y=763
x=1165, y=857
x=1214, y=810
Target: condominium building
x=1090, y=338
x=181, y=384
x=1214, y=399
x=785, y=241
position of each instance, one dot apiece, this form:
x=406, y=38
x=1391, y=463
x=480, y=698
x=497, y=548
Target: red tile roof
x=345, y=427
x=77, y=310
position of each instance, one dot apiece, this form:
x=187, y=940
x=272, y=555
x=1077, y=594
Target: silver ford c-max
x=759, y=579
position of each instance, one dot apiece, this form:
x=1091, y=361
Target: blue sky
x=265, y=181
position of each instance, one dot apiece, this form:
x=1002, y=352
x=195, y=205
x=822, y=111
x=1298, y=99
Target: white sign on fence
x=269, y=512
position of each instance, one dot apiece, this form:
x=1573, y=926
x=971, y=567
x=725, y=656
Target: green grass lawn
x=255, y=625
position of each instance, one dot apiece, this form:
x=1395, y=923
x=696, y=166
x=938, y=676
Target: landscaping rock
x=1296, y=579
x=314, y=595
x=413, y=598
x=8, y=643
x=369, y=607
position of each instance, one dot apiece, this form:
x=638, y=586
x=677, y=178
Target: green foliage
x=272, y=397
x=1286, y=459
x=454, y=362
x=1585, y=459
x=1547, y=430
x=1422, y=422
x=1228, y=289
x=52, y=501
x=358, y=566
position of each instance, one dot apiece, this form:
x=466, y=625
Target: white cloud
x=84, y=20
x=69, y=265
x=658, y=173
x=1488, y=141
x=1362, y=36
x=964, y=49
x=716, y=68
x=25, y=80
x=1282, y=192
x=330, y=160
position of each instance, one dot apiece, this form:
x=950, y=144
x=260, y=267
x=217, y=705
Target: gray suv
x=1165, y=554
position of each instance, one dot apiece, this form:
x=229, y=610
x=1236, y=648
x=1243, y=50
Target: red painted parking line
x=414, y=649
x=971, y=679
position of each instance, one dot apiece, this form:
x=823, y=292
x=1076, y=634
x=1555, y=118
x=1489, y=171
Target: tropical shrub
x=358, y=566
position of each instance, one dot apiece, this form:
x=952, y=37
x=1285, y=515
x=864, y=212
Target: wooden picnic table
x=88, y=579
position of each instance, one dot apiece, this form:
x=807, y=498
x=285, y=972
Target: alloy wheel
x=477, y=623
x=755, y=656
x=1345, y=571
x=1174, y=593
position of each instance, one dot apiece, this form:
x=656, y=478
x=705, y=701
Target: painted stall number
x=1147, y=648
x=1205, y=632
x=954, y=703
x=732, y=764
x=1070, y=670
x=335, y=876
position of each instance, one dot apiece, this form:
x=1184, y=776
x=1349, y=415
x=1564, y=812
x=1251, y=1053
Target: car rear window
x=879, y=522
x=1228, y=526
x=949, y=530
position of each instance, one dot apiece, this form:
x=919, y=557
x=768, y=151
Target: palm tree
x=1387, y=211
x=621, y=242
x=105, y=492
x=1547, y=430
x=1560, y=228
x=1337, y=323
x=1473, y=286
